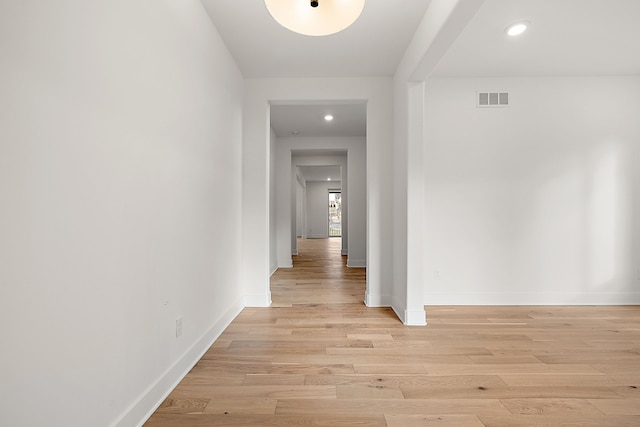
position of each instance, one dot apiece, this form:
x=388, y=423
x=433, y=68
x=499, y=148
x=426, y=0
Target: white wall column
x=256, y=152
x=441, y=25
x=414, y=312
x=285, y=199
x=356, y=184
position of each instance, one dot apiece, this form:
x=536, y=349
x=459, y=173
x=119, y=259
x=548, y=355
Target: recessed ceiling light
x=295, y=132
x=328, y=179
x=328, y=117
x=517, y=28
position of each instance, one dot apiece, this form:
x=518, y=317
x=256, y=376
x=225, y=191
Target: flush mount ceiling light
x=517, y=28
x=315, y=18
x=328, y=117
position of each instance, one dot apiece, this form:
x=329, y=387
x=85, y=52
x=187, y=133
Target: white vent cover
x=492, y=99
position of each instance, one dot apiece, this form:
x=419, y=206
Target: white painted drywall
x=119, y=205
x=378, y=93
x=538, y=203
x=301, y=211
x=318, y=208
x=442, y=22
x=273, y=211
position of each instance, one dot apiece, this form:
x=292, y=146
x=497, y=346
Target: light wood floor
x=319, y=357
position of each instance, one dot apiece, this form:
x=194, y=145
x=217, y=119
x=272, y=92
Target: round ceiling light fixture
x=315, y=18
x=328, y=117
x=517, y=28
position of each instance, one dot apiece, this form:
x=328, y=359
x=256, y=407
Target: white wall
x=301, y=211
x=318, y=207
x=273, y=211
x=538, y=203
x=119, y=204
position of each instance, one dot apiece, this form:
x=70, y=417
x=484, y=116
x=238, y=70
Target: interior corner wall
x=537, y=203
x=119, y=208
x=301, y=211
x=273, y=210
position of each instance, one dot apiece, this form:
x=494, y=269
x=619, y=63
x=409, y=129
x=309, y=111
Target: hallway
x=319, y=357
x=319, y=276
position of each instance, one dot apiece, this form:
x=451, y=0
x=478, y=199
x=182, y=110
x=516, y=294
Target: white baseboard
x=274, y=268
x=356, y=263
x=377, y=300
x=409, y=317
x=415, y=317
x=317, y=236
x=531, y=298
x=257, y=300
x=143, y=407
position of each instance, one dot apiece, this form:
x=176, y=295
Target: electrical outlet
x=178, y=326
x=436, y=275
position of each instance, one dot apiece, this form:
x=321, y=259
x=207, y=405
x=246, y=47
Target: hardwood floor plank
x=368, y=391
x=561, y=420
x=439, y=420
x=484, y=392
x=241, y=406
x=617, y=406
x=245, y=420
x=390, y=368
x=558, y=380
x=320, y=357
x=391, y=406
x=273, y=379
x=512, y=368
x=183, y=406
x=550, y=406
x=253, y=391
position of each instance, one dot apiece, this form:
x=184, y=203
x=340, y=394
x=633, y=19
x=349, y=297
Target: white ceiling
x=372, y=46
x=320, y=173
x=308, y=120
x=566, y=37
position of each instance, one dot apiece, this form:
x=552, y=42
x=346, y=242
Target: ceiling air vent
x=492, y=99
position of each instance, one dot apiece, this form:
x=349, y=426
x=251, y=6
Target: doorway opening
x=318, y=177
x=335, y=213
